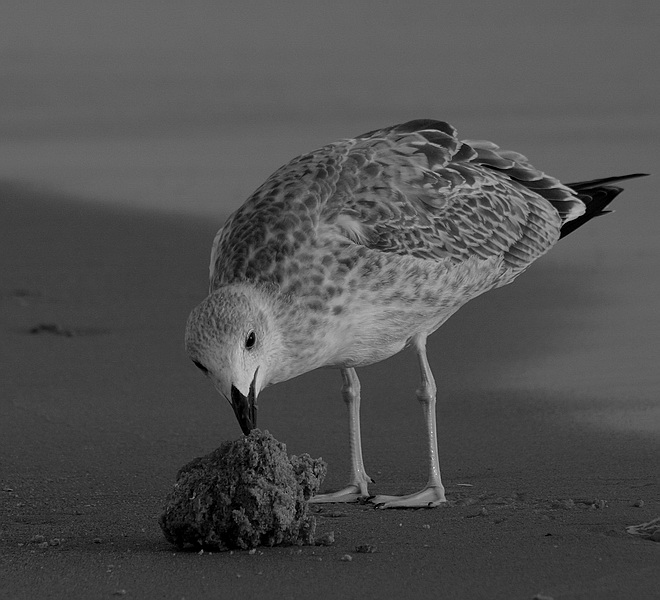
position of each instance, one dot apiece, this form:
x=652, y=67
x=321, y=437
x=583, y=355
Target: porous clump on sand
x=247, y=493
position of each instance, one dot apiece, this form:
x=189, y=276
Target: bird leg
x=357, y=488
x=434, y=492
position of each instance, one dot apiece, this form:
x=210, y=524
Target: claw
x=429, y=497
x=351, y=493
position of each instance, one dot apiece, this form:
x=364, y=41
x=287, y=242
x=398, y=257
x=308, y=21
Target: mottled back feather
x=412, y=189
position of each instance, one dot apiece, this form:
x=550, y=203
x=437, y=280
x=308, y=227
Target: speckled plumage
x=346, y=254
x=412, y=190
x=392, y=232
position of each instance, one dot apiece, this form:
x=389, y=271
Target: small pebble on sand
x=327, y=539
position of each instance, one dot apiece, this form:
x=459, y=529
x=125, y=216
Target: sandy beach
x=100, y=407
x=129, y=131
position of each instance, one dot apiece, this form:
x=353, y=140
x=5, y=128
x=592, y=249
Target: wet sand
x=544, y=399
x=549, y=389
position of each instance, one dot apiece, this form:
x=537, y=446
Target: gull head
x=231, y=337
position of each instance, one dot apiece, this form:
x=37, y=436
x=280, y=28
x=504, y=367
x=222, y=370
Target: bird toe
x=351, y=493
x=429, y=497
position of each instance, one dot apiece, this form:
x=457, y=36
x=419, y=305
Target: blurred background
x=185, y=108
x=188, y=106
x=550, y=385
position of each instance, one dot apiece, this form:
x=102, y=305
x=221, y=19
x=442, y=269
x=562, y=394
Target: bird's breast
x=361, y=306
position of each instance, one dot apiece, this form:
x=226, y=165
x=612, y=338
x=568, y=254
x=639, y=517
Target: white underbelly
x=379, y=320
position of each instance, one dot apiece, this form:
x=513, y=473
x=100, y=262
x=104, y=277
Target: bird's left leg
x=434, y=492
x=357, y=488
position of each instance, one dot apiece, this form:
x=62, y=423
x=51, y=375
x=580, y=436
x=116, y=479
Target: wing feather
x=449, y=199
x=411, y=189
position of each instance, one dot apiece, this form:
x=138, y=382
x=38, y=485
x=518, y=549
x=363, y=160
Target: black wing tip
x=594, y=183
x=596, y=195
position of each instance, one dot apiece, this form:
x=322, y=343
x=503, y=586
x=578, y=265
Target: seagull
x=348, y=254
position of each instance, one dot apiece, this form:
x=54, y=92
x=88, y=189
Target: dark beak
x=245, y=409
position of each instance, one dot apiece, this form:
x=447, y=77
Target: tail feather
x=596, y=195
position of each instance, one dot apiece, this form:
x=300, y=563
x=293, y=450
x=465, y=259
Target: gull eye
x=250, y=340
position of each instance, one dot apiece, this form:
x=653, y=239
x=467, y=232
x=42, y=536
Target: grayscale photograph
x=352, y=300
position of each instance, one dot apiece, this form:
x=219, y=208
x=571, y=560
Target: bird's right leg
x=357, y=488
x=434, y=492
